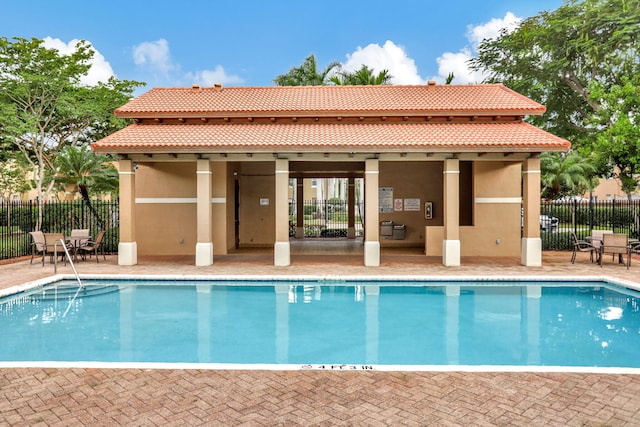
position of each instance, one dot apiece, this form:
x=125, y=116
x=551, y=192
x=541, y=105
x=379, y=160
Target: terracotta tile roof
x=518, y=136
x=330, y=100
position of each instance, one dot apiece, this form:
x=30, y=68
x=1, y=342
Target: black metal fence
x=17, y=219
x=326, y=218
x=619, y=216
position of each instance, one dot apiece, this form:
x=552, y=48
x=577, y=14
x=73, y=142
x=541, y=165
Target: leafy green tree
x=567, y=59
x=43, y=106
x=618, y=142
x=363, y=76
x=307, y=74
x=565, y=175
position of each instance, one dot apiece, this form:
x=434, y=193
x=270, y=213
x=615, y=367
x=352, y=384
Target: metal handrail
x=55, y=260
x=73, y=267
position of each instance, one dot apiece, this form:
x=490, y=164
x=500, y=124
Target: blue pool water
x=431, y=323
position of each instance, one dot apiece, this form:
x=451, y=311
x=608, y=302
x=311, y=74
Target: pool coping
x=323, y=279
x=317, y=367
x=329, y=280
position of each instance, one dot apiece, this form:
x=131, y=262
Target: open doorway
x=326, y=208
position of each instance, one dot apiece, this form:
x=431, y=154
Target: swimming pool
x=325, y=324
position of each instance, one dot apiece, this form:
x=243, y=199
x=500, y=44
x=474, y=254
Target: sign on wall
x=385, y=200
x=397, y=205
x=412, y=205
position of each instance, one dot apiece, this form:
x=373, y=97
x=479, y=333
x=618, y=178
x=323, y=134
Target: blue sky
x=248, y=43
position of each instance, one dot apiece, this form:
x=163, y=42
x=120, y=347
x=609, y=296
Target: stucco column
x=531, y=247
x=300, y=208
x=127, y=248
x=351, y=208
x=451, y=242
x=204, y=215
x=282, y=250
x=371, y=217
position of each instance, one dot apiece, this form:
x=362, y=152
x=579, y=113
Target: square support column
x=127, y=248
x=371, y=214
x=451, y=242
x=204, y=214
x=531, y=247
x=282, y=249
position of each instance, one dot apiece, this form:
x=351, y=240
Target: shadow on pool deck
x=197, y=397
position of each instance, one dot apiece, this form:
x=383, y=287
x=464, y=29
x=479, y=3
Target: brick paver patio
x=36, y=396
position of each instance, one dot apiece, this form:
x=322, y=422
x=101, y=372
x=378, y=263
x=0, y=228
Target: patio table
x=76, y=242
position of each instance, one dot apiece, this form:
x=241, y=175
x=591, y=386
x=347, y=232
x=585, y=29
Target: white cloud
x=456, y=63
x=156, y=56
x=100, y=70
x=389, y=57
x=209, y=77
x=153, y=54
x=492, y=29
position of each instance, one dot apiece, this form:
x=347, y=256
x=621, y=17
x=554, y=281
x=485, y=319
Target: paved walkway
x=253, y=398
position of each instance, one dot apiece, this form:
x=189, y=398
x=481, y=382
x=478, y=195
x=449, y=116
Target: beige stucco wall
x=165, y=228
x=257, y=222
x=170, y=228
x=412, y=180
x=496, y=213
x=607, y=190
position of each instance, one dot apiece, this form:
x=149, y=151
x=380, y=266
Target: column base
x=204, y=254
x=372, y=254
x=127, y=253
x=531, y=252
x=282, y=254
x=451, y=253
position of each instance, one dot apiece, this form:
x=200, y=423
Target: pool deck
x=167, y=397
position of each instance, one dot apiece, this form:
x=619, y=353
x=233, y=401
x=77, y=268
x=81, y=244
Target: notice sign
x=412, y=205
x=397, y=205
x=385, y=199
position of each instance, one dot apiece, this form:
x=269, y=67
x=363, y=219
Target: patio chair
x=596, y=237
x=582, y=246
x=37, y=245
x=79, y=236
x=92, y=247
x=635, y=248
x=53, y=244
x=616, y=244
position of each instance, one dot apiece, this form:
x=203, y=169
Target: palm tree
x=449, y=78
x=363, y=76
x=307, y=74
x=565, y=174
x=87, y=171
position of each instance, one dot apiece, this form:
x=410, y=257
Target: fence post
x=613, y=215
x=575, y=216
